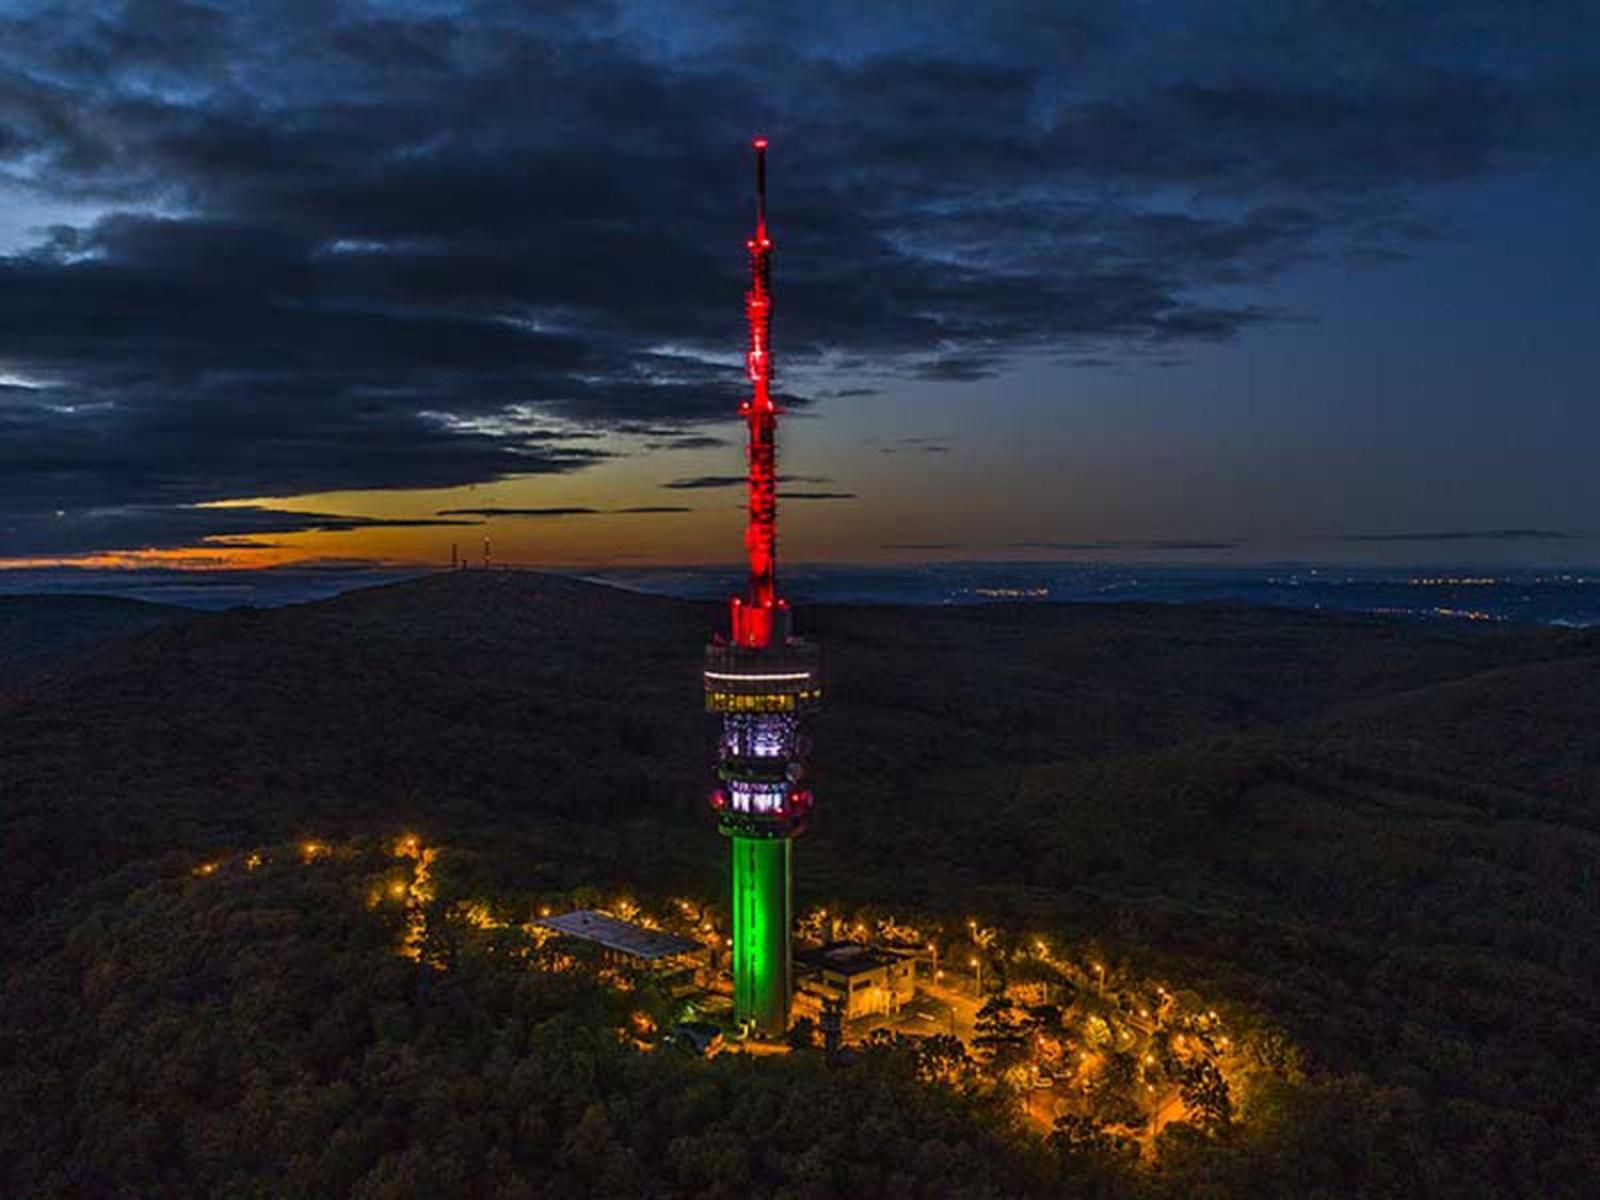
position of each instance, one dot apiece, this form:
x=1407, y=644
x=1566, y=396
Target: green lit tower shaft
x=760, y=680
x=761, y=920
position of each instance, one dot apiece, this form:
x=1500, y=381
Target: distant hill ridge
x=528, y=697
x=38, y=630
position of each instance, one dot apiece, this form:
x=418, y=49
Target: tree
x=1042, y=1018
x=1000, y=1035
x=942, y=1057
x=1206, y=1096
x=1095, y=1160
x=802, y=1034
x=1084, y=1138
x=1114, y=1091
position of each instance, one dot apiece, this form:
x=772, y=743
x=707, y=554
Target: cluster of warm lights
x=418, y=894
x=1194, y=1037
x=477, y=915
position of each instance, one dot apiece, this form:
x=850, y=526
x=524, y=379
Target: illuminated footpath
x=761, y=680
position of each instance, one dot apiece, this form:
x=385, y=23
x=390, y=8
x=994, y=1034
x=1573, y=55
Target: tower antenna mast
x=753, y=623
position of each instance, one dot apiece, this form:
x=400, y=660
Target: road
x=955, y=1010
x=1169, y=1110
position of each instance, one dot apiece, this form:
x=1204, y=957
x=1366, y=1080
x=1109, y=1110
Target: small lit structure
x=866, y=981
x=678, y=962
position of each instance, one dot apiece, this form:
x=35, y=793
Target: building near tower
x=762, y=681
x=678, y=964
x=864, y=981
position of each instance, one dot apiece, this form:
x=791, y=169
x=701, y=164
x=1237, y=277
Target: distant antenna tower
x=486, y=554
x=455, y=556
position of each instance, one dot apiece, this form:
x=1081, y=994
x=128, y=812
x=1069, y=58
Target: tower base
x=761, y=924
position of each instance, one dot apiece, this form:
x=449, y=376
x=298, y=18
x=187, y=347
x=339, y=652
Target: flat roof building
x=622, y=937
x=677, y=960
x=865, y=980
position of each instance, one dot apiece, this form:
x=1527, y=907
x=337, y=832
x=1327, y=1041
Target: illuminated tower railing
x=761, y=680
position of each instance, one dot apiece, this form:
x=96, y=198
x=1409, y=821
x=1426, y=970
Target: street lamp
x=977, y=966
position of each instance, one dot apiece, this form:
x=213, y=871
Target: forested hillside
x=36, y=631
x=1381, y=837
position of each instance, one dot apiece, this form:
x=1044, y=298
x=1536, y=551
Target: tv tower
x=761, y=679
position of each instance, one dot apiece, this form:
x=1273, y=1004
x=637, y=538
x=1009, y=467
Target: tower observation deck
x=762, y=681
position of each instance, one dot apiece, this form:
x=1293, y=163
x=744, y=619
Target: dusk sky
x=1196, y=282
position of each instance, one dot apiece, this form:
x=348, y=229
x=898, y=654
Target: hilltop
x=1380, y=835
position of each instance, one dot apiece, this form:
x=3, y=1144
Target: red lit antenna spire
x=754, y=616
x=760, y=145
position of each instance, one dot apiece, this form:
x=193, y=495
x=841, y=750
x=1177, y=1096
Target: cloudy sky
x=1213, y=281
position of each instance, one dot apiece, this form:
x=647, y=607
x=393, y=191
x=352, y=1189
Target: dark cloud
x=358, y=247
x=260, y=433
x=149, y=527
x=693, y=441
x=816, y=496
x=517, y=512
x=561, y=511
x=1430, y=124
x=1462, y=535
x=918, y=445
x=958, y=368
x=923, y=546
x=696, y=482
